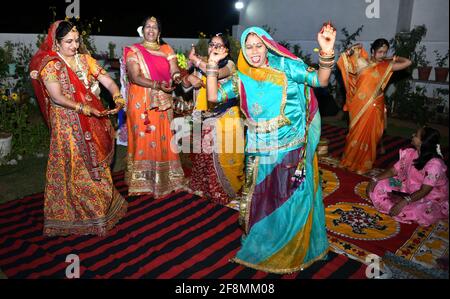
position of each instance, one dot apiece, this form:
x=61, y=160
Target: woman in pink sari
x=152, y=167
x=415, y=189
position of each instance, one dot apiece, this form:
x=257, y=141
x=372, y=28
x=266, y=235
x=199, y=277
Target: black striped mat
x=178, y=236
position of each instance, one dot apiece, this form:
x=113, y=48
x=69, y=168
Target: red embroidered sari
x=80, y=197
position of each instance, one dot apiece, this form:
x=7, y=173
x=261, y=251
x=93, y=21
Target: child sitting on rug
x=415, y=189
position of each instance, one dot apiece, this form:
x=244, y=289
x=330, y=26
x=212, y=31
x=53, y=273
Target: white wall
x=298, y=21
x=101, y=42
x=301, y=19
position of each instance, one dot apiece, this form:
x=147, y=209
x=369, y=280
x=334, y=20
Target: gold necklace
x=154, y=46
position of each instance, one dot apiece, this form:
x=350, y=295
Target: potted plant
x=111, y=49
x=441, y=96
x=7, y=106
x=9, y=57
x=441, y=72
x=423, y=65
x=416, y=110
x=101, y=58
x=3, y=63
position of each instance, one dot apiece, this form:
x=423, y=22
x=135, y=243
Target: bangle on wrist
x=407, y=198
x=374, y=179
x=213, y=73
x=86, y=110
x=176, y=75
x=79, y=107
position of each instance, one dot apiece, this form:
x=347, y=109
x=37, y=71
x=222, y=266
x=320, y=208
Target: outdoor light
x=239, y=5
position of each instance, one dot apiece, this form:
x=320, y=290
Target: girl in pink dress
x=415, y=189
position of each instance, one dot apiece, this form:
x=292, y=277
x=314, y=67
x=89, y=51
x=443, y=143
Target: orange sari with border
x=152, y=166
x=364, y=83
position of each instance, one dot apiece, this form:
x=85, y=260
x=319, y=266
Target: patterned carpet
x=185, y=236
x=357, y=229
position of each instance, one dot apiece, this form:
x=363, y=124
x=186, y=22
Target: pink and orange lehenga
x=364, y=84
x=152, y=167
x=80, y=197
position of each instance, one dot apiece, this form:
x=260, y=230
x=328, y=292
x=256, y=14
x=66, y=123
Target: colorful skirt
x=219, y=175
x=153, y=167
x=284, y=223
x=73, y=202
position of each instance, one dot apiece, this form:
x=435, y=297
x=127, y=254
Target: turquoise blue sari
x=283, y=218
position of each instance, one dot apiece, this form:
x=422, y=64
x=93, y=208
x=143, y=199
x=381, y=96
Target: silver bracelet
x=407, y=198
x=374, y=179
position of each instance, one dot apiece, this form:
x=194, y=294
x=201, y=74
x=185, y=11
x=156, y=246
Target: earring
x=158, y=40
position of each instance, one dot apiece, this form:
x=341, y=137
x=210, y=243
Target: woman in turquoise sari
x=281, y=209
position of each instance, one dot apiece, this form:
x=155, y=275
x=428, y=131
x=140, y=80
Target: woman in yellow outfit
x=218, y=152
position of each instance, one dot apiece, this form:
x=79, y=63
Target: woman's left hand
x=327, y=37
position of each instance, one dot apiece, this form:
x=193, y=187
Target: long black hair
x=158, y=23
x=378, y=43
x=428, y=149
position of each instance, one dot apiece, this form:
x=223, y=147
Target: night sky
x=179, y=18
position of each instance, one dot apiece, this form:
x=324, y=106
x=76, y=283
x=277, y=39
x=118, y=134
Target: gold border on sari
x=281, y=271
x=273, y=124
x=374, y=96
x=251, y=169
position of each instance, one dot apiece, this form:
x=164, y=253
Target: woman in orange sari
x=80, y=197
x=153, y=167
x=365, y=80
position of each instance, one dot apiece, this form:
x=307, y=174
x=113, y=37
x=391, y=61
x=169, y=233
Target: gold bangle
x=119, y=101
x=78, y=107
x=210, y=66
x=326, y=54
x=326, y=59
x=86, y=110
x=326, y=63
x=211, y=73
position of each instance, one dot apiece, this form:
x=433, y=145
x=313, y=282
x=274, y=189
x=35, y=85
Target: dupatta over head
x=93, y=136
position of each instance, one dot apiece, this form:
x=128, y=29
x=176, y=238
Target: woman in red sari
x=80, y=197
x=365, y=80
x=153, y=167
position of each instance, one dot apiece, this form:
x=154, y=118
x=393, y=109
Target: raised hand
x=327, y=37
x=192, y=54
x=217, y=55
